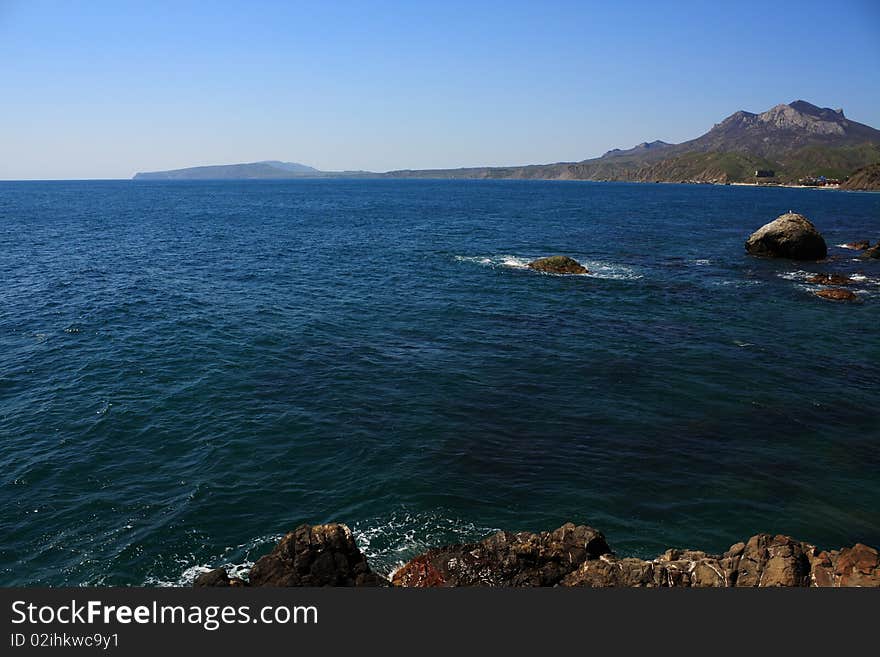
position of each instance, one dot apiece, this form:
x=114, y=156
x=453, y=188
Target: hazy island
x=790, y=144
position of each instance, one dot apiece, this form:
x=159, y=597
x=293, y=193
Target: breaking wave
x=597, y=268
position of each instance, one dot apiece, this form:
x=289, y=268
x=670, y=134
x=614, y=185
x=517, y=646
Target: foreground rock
x=792, y=236
x=319, y=555
x=326, y=555
x=836, y=294
x=558, y=265
x=763, y=561
x=506, y=559
x=830, y=279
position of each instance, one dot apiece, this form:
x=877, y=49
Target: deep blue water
x=187, y=370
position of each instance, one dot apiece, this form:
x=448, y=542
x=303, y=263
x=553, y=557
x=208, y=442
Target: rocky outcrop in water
x=836, y=294
x=859, y=245
x=558, y=265
x=218, y=577
x=790, y=235
x=573, y=555
x=319, y=555
x=506, y=559
x=764, y=561
x=830, y=279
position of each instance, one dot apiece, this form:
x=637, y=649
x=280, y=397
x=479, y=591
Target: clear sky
x=104, y=89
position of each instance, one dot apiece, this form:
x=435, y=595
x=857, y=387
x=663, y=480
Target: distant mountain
x=252, y=170
x=793, y=141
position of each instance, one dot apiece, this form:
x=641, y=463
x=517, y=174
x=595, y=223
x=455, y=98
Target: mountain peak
x=802, y=116
x=804, y=107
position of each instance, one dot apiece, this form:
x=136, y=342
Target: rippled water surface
x=187, y=370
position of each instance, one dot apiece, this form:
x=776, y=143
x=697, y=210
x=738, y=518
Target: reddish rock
x=836, y=294
x=830, y=279
x=774, y=561
x=855, y=566
x=506, y=559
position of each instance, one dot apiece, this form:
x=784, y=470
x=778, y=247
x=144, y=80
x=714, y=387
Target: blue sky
x=104, y=89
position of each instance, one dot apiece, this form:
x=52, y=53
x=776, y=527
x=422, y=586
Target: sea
x=188, y=370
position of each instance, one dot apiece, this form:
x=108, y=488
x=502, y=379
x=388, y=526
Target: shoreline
x=570, y=556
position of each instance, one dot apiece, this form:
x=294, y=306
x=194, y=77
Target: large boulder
x=774, y=561
x=316, y=555
x=791, y=235
x=558, y=265
x=506, y=559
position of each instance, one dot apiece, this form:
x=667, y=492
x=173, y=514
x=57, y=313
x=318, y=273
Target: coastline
x=570, y=556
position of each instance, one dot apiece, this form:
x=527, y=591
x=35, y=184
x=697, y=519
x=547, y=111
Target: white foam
x=389, y=542
x=798, y=275
x=610, y=270
x=596, y=268
x=749, y=282
x=235, y=569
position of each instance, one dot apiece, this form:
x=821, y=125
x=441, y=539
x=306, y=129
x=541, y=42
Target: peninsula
x=794, y=143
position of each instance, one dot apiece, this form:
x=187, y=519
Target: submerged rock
x=859, y=245
x=558, y=265
x=836, y=294
x=790, y=235
x=318, y=555
x=830, y=279
x=872, y=252
x=218, y=577
x=506, y=559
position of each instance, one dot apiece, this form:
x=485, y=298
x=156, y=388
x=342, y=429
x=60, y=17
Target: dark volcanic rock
x=792, y=236
x=558, y=265
x=836, y=294
x=506, y=559
x=830, y=279
x=218, y=577
x=319, y=555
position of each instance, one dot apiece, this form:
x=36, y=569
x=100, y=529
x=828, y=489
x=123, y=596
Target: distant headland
x=790, y=144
